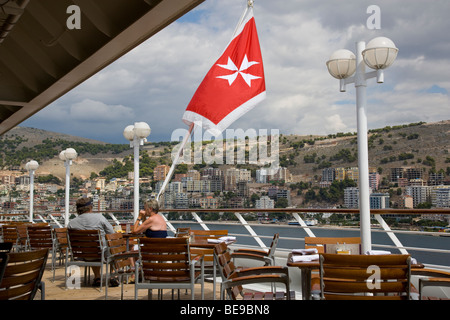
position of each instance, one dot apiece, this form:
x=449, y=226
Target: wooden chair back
x=224, y=260
x=61, y=238
x=227, y=269
x=23, y=235
x=40, y=236
x=5, y=248
x=209, y=234
x=117, y=245
x=233, y=280
x=10, y=234
x=85, y=244
x=208, y=254
x=165, y=259
x=121, y=260
x=381, y=277
x=182, y=232
x=23, y=275
x=320, y=243
x=273, y=245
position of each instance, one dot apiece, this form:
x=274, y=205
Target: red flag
x=233, y=85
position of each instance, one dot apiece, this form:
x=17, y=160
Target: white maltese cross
x=244, y=66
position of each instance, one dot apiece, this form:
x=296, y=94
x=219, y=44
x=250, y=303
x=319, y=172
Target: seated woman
x=153, y=225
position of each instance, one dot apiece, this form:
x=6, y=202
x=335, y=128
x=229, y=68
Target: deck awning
x=41, y=59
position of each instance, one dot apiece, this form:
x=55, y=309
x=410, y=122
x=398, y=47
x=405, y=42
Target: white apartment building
x=261, y=176
x=420, y=194
x=328, y=174
x=351, y=197
x=264, y=203
x=379, y=200
x=175, y=187
x=374, y=180
x=440, y=196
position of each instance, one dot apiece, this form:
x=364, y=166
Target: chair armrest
x=248, y=255
x=124, y=255
x=262, y=270
x=197, y=259
x=250, y=251
x=430, y=273
x=245, y=255
x=272, y=278
x=432, y=282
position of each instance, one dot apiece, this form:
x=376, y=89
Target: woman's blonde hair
x=152, y=204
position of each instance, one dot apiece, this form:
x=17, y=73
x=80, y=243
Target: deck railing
x=295, y=213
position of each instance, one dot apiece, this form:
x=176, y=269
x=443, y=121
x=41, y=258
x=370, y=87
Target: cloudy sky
x=155, y=82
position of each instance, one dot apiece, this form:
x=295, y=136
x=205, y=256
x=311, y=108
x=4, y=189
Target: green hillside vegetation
x=120, y=169
x=14, y=155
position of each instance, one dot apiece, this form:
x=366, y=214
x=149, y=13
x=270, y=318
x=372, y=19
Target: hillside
x=22, y=144
x=389, y=147
x=419, y=145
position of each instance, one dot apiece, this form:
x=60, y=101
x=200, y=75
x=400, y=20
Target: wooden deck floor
x=55, y=290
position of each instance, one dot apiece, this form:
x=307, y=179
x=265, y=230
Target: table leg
x=306, y=283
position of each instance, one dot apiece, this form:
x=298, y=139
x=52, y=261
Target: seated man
x=87, y=220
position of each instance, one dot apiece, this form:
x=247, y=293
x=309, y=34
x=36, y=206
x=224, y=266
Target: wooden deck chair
x=268, y=257
x=61, y=243
x=40, y=236
x=122, y=261
x=86, y=249
x=430, y=278
x=10, y=234
x=329, y=245
x=165, y=263
x=23, y=274
x=5, y=248
x=208, y=254
x=23, y=235
x=234, y=280
x=182, y=232
x=365, y=277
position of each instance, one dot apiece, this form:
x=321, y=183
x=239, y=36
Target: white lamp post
x=31, y=166
x=67, y=156
x=379, y=54
x=137, y=135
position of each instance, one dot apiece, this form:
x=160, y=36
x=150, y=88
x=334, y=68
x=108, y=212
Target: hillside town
x=233, y=187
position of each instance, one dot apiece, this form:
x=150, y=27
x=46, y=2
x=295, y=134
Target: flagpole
x=175, y=161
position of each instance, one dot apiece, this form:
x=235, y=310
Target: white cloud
x=155, y=81
x=97, y=111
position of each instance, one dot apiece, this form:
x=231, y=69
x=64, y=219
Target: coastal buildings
x=160, y=172
x=232, y=187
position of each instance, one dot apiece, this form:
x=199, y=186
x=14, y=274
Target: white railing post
x=250, y=230
x=114, y=218
x=171, y=227
x=199, y=220
x=303, y=224
x=391, y=235
x=54, y=220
